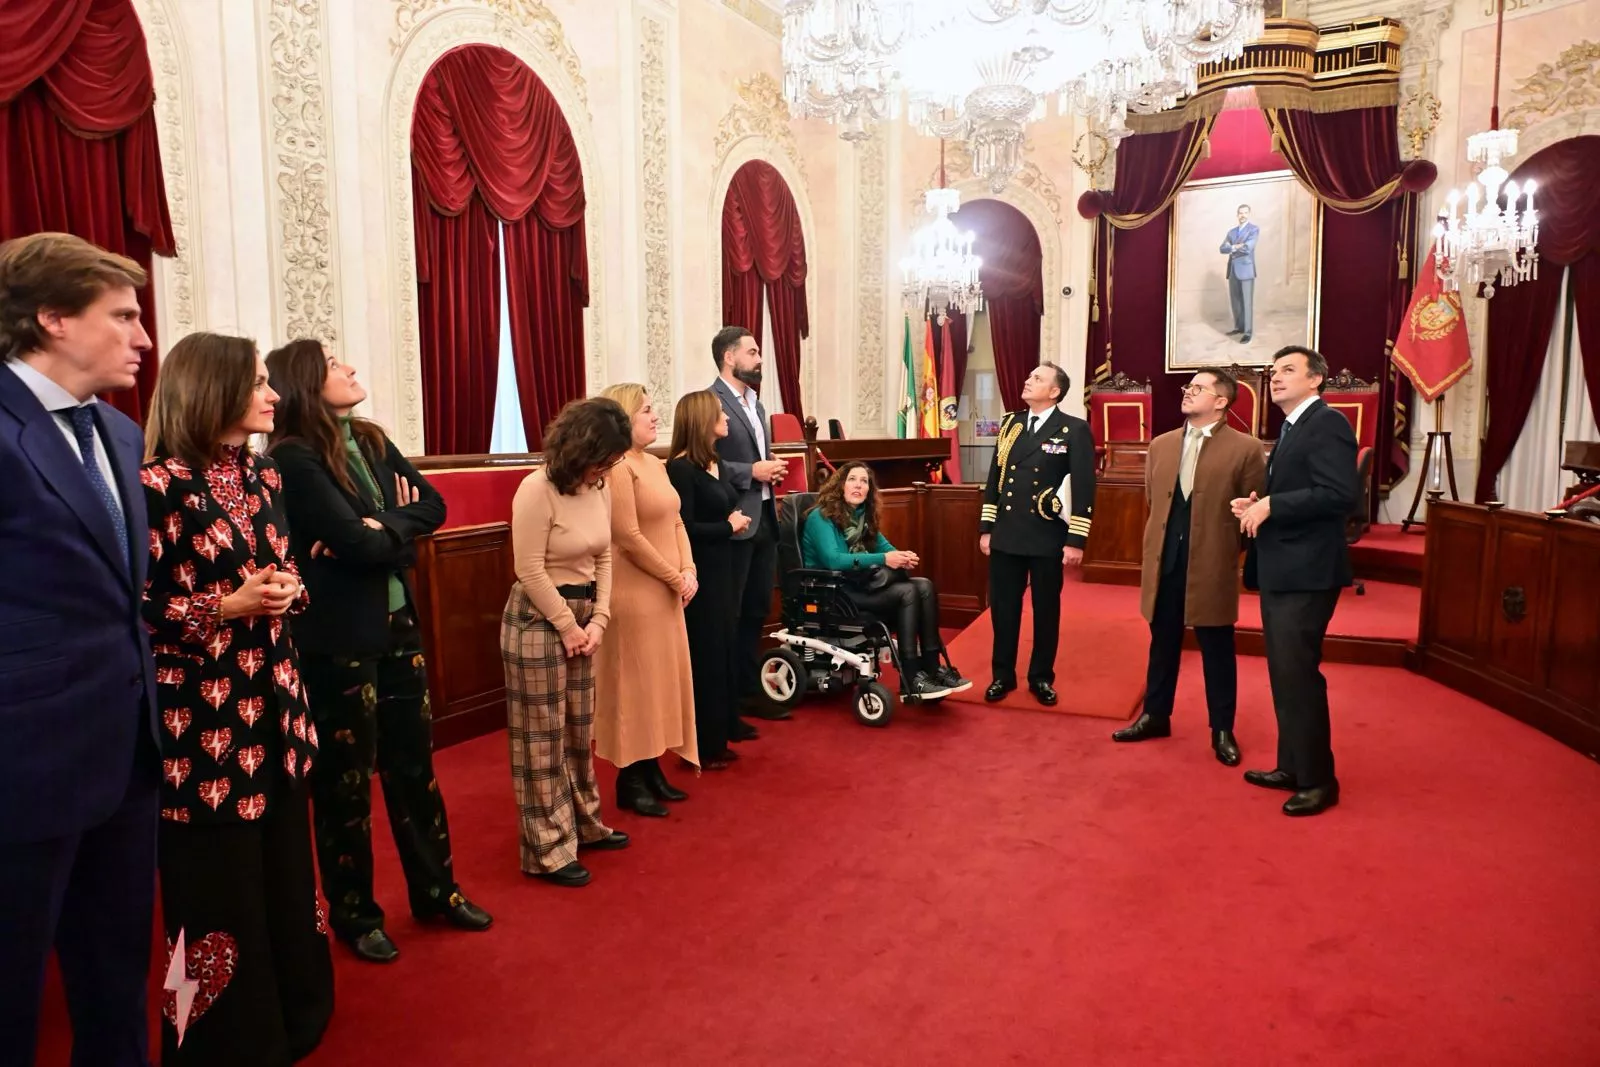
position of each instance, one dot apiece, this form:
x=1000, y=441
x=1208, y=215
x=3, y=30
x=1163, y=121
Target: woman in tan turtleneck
x=554, y=620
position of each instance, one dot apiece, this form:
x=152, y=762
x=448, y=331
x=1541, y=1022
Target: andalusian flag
x=930, y=384
x=906, y=423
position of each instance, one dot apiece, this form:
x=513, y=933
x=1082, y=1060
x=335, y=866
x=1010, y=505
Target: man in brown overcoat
x=1191, y=556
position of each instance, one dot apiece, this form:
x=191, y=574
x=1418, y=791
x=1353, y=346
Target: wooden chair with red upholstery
x=1357, y=400
x=786, y=429
x=1119, y=410
x=1248, y=412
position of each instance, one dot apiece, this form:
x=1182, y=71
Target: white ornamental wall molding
x=300, y=199
x=733, y=153
x=527, y=18
x=180, y=287
x=428, y=37
x=655, y=155
x=761, y=111
x=871, y=226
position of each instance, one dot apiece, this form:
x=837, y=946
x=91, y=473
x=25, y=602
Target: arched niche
x=429, y=39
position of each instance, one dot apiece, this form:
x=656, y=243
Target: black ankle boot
x=657, y=781
x=633, y=793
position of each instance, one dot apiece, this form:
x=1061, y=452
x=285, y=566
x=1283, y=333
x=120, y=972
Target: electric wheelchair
x=826, y=644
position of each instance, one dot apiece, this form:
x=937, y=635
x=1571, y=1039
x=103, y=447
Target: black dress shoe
x=1273, y=779
x=610, y=843
x=743, y=731
x=997, y=690
x=1312, y=801
x=573, y=874
x=1044, y=693
x=657, y=781
x=761, y=708
x=1244, y=340
x=1226, y=748
x=633, y=794
x=461, y=913
x=1144, y=728
x=374, y=946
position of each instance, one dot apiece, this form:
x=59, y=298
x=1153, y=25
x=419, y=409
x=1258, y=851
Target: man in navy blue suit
x=1240, y=248
x=79, y=764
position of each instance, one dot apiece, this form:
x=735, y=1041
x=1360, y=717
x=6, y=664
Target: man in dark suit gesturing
x=79, y=764
x=746, y=454
x=1300, y=563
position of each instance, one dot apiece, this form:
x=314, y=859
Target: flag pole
x=1438, y=467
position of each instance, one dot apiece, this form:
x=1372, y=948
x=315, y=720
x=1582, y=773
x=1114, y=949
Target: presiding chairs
x=1119, y=410
x=1357, y=401
x=1248, y=412
x=786, y=429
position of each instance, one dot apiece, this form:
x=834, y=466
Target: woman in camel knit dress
x=644, y=690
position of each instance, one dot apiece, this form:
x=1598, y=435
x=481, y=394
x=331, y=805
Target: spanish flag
x=1432, y=348
x=930, y=384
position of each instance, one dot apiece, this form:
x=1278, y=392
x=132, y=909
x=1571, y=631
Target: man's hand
x=591, y=638
x=900, y=560
x=767, y=470
x=1256, y=514
x=1241, y=504
x=1071, y=557
x=983, y=544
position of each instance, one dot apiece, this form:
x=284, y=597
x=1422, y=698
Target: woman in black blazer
x=355, y=508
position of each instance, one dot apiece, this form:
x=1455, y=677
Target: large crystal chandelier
x=982, y=69
x=941, y=272
x=1488, y=243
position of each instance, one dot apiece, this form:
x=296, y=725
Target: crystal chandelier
x=1489, y=244
x=941, y=272
x=982, y=69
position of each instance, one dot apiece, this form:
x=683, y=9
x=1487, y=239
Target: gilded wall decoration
x=871, y=232
x=302, y=190
x=180, y=289
x=655, y=154
x=760, y=112
x=427, y=40
x=528, y=17
x=1571, y=83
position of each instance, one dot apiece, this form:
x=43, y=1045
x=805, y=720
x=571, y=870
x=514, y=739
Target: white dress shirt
x=747, y=401
x=57, y=401
x=1300, y=409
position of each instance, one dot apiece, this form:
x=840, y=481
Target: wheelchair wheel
x=874, y=705
x=783, y=676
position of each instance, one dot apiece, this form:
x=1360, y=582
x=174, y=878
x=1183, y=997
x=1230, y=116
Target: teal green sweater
x=823, y=547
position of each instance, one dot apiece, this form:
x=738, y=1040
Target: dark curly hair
x=584, y=435
x=837, y=510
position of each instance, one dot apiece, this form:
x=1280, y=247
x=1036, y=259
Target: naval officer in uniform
x=1045, y=459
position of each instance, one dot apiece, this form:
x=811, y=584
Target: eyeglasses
x=1196, y=390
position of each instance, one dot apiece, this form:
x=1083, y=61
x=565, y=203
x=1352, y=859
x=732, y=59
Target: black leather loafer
x=997, y=691
x=463, y=914
x=573, y=874
x=610, y=843
x=1144, y=728
x=374, y=946
x=1274, y=779
x=1226, y=748
x=1044, y=693
x=1312, y=801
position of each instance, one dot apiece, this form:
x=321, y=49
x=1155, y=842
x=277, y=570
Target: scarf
x=369, y=482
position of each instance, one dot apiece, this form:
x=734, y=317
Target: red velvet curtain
x=764, y=257
x=1012, y=277
x=78, y=146
x=1522, y=316
x=489, y=145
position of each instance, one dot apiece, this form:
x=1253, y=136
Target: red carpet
x=1099, y=661
x=1384, y=552
x=980, y=888
x=1388, y=612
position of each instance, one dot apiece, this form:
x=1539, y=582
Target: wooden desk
x=898, y=463
x=1116, y=538
x=1511, y=616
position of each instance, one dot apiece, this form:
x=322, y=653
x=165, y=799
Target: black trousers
x=756, y=559
x=1293, y=626
x=1008, y=576
x=244, y=897
x=1217, y=657
x=91, y=897
x=911, y=606
x=372, y=714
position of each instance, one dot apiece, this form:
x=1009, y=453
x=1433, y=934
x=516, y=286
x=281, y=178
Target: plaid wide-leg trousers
x=550, y=726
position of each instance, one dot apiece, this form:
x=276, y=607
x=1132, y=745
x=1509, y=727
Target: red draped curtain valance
x=1350, y=160
x=78, y=147
x=1522, y=316
x=1012, y=277
x=764, y=255
x=491, y=153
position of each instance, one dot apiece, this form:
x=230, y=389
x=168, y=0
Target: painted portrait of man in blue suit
x=1240, y=248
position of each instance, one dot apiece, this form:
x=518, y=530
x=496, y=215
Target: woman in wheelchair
x=842, y=534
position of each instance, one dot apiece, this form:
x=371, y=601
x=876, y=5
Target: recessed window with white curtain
x=1533, y=479
x=771, y=393
x=508, y=435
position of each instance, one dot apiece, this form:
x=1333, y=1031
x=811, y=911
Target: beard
x=751, y=377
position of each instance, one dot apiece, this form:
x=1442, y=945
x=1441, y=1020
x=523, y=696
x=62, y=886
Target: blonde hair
x=631, y=395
